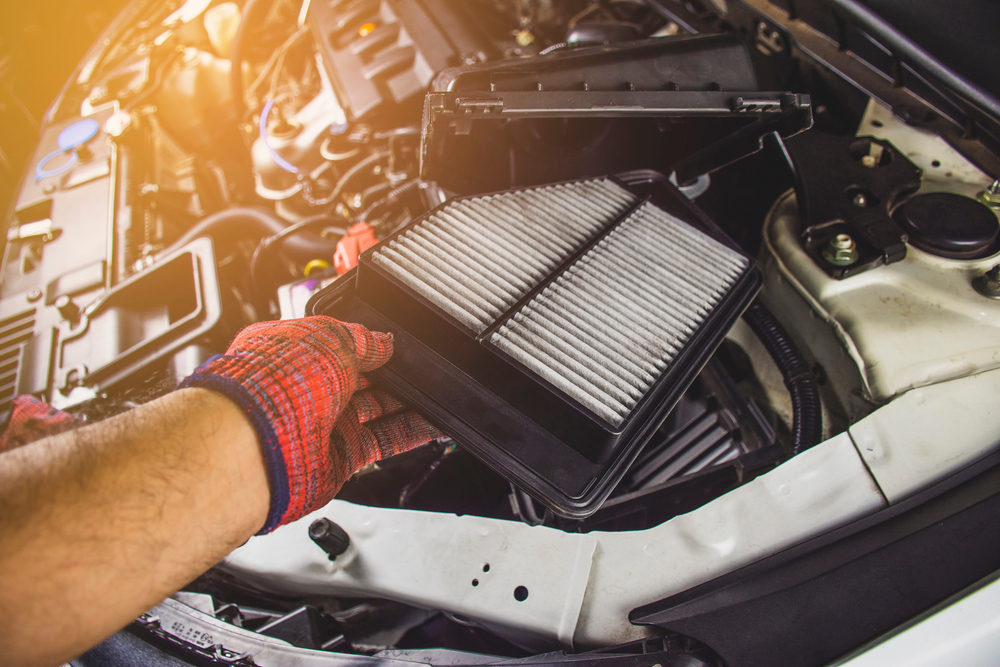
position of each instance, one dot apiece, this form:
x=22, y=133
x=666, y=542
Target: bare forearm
x=99, y=524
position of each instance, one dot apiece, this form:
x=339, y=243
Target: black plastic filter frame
x=515, y=421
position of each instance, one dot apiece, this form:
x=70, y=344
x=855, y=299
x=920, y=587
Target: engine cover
x=381, y=54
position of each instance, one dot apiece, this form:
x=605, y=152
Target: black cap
x=950, y=225
x=330, y=537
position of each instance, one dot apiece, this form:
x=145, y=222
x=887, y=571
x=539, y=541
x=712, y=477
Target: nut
x=989, y=284
x=991, y=195
x=841, y=250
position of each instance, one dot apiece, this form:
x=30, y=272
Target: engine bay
x=820, y=346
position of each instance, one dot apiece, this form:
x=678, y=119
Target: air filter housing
x=551, y=329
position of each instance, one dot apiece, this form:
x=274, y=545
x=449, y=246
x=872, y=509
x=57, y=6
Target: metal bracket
x=846, y=189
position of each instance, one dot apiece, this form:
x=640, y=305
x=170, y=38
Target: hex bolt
x=991, y=195
x=989, y=284
x=841, y=250
x=330, y=537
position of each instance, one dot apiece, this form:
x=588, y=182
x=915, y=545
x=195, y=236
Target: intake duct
x=551, y=329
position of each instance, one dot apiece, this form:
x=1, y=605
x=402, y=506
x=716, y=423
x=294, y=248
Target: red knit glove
x=294, y=379
x=32, y=420
x=374, y=426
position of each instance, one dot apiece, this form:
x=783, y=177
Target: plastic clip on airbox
x=551, y=329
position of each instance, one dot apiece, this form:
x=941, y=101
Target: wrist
x=254, y=414
x=229, y=435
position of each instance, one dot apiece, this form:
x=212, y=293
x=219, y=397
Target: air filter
x=551, y=329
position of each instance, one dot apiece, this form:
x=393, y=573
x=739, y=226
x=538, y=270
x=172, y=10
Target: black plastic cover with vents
x=383, y=54
x=687, y=104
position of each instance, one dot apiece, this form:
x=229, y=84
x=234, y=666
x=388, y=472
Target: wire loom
x=551, y=329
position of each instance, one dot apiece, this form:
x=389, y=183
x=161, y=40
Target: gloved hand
x=31, y=420
x=295, y=380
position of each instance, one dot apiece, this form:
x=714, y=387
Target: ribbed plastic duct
x=14, y=333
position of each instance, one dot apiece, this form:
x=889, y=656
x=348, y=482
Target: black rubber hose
x=807, y=413
x=233, y=224
x=253, y=12
x=277, y=240
x=391, y=198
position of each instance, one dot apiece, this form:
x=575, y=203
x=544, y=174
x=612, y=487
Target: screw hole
x=877, y=123
x=475, y=582
x=520, y=593
x=936, y=163
x=486, y=568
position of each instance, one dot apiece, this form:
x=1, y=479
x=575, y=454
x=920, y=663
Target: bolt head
x=860, y=200
x=34, y=295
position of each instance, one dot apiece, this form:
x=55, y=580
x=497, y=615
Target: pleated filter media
x=607, y=328
x=610, y=324
x=476, y=258
x=550, y=329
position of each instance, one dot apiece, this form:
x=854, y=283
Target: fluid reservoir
x=221, y=24
x=194, y=102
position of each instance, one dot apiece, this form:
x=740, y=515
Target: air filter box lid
x=551, y=329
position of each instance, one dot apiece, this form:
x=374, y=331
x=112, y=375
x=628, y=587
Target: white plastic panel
x=822, y=488
x=466, y=565
x=910, y=324
x=965, y=632
x=935, y=156
x=927, y=434
x=580, y=587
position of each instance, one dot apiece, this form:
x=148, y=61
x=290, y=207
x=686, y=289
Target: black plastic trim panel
x=819, y=600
